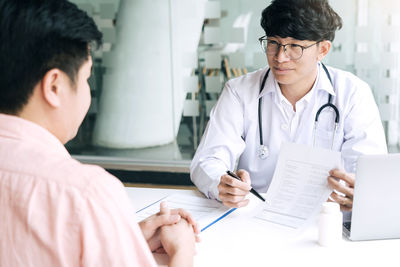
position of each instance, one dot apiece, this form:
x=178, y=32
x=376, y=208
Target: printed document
x=299, y=185
x=205, y=211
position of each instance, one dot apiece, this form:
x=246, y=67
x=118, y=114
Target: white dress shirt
x=232, y=139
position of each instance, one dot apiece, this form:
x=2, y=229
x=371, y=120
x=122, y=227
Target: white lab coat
x=232, y=134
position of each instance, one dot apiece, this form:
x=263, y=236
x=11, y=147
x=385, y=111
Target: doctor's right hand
x=232, y=192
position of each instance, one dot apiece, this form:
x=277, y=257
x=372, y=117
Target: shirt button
x=284, y=127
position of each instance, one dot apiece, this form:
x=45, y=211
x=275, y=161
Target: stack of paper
x=299, y=185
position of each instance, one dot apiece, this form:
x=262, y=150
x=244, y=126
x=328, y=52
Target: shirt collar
x=279, y=97
x=322, y=83
x=15, y=127
x=270, y=83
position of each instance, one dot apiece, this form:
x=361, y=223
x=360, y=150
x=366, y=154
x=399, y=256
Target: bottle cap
x=330, y=207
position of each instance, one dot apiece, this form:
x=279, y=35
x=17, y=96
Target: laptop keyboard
x=347, y=225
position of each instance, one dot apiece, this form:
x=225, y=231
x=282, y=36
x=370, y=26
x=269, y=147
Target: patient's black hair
x=35, y=37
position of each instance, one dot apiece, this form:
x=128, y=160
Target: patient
x=55, y=211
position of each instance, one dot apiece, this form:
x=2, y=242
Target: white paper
x=204, y=211
x=299, y=185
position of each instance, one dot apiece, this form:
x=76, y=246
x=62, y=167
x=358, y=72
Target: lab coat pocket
x=323, y=138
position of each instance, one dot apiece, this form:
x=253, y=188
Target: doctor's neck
x=296, y=88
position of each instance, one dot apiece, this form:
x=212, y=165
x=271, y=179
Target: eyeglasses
x=292, y=51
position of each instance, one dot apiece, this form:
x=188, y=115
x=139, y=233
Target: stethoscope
x=264, y=151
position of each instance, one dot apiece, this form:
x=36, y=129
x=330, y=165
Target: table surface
x=238, y=241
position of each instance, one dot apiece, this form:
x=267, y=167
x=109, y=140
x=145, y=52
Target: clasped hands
x=170, y=230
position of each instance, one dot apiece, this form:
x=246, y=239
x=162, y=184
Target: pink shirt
x=55, y=211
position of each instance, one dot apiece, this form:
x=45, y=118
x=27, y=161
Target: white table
x=237, y=241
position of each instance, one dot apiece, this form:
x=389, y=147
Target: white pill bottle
x=330, y=225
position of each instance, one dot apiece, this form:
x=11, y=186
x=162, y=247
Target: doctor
x=258, y=111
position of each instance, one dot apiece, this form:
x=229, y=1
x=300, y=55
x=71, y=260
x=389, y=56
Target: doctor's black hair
x=312, y=20
x=35, y=37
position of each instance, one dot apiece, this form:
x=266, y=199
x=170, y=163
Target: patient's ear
x=51, y=87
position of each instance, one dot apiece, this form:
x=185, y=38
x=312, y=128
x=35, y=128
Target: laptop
x=376, y=203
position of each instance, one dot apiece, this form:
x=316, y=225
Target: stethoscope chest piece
x=263, y=152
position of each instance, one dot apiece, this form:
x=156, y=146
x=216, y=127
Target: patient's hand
x=151, y=226
x=178, y=242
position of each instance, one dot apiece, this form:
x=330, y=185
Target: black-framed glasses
x=292, y=51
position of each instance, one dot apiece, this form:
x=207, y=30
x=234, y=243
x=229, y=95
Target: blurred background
x=164, y=63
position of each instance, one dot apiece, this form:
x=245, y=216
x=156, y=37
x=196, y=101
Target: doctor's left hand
x=151, y=226
x=347, y=189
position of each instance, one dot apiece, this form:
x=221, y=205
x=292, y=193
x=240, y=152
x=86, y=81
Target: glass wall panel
x=164, y=63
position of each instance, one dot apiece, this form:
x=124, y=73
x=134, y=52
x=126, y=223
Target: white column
x=142, y=95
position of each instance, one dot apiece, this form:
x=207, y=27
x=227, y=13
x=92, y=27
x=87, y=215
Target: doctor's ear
x=323, y=49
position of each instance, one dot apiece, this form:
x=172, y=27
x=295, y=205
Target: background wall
x=165, y=62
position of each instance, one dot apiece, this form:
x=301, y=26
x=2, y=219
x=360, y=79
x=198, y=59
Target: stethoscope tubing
x=263, y=148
